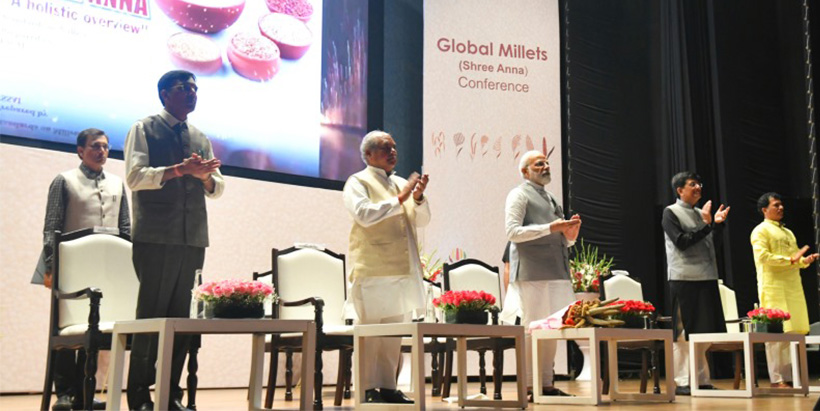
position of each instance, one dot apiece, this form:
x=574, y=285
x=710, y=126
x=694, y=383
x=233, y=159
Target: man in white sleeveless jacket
x=539, y=259
x=386, y=270
x=692, y=274
x=83, y=197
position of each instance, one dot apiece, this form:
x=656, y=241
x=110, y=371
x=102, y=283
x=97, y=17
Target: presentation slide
x=282, y=83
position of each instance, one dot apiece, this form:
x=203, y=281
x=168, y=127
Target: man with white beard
x=539, y=259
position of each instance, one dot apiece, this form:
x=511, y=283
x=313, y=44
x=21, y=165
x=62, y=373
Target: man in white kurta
x=386, y=271
x=539, y=266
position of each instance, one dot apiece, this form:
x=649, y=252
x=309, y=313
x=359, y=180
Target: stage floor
x=234, y=399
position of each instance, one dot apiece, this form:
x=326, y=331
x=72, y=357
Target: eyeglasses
x=695, y=184
x=541, y=163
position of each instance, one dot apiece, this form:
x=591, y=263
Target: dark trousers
x=69, y=371
x=166, y=275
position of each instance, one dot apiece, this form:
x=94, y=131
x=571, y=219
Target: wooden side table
x=167, y=328
x=748, y=340
x=417, y=331
x=595, y=336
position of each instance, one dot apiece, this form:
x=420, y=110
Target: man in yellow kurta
x=778, y=262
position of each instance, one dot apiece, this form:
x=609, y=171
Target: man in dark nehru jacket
x=692, y=274
x=82, y=197
x=170, y=167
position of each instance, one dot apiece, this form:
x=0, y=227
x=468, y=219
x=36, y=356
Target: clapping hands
x=720, y=215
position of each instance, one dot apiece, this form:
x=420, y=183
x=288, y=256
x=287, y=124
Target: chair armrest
x=257, y=275
x=90, y=292
x=432, y=283
x=318, y=308
x=735, y=320
x=312, y=301
x=664, y=319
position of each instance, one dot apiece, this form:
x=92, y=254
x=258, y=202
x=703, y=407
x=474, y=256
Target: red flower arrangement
x=635, y=307
x=769, y=315
x=453, y=301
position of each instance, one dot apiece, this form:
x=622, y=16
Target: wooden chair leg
x=738, y=363
x=498, y=372
x=90, y=380
x=448, y=373
x=45, y=401
x=289, y=374
x=644, y=370
x=319, y=379
x=193, y=368
x=272, y=372
x=482, y=372
x=656, y=375
x=435, y=375
x=348, y=372
x=340, y=378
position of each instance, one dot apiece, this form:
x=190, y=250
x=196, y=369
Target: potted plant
x=465, y=307
x=234, y=298
x=634, y=313
x=768, y=319
x=586, y=269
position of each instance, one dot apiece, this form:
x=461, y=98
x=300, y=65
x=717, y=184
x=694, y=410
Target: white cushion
x=306, y=273
x=474, y=277
x=102, y=261
x=106, y=327
x=623, y=287
x=729, y=303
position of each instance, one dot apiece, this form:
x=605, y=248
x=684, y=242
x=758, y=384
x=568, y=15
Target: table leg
x=115, y=373
x=802, y=358
x=694, y=366
x=595, y=378
x=308, y=368
x=257, y=366
x=417, y=368
x=667, y=359
x=612, y=359
x=165, y=353
x=358, y=367
x=521, y=369
x=751, y=374
x=461, y=351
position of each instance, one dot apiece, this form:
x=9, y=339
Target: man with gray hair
x=539, y=260
x=384, y=257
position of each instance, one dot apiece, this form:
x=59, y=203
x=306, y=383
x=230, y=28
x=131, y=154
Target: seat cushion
x=106, y=327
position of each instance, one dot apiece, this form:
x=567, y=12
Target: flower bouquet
x=768, y=319
x=468, y=307
x=431, y=266
x=234, y=298
x=587, y=268
x=634, y=313
x=595, y=313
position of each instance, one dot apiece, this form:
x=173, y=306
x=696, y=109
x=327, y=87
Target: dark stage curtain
x=657, y=87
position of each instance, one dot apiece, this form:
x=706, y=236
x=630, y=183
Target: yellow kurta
x=778, y=280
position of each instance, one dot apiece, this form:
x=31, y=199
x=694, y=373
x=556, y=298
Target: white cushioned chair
x=311, y=285
x=621, y=285
x=474, y=275
x=87, y=267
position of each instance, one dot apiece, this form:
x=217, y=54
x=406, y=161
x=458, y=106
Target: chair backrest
x=729, y=303
x=474, y=275
x=85, y=259
x=300, y=273
x=624, y=287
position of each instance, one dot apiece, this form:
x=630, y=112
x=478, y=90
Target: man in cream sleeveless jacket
x=171, y=169
x=692, y=274
x=84, y=197
x=386, y=270
x=539, y=259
